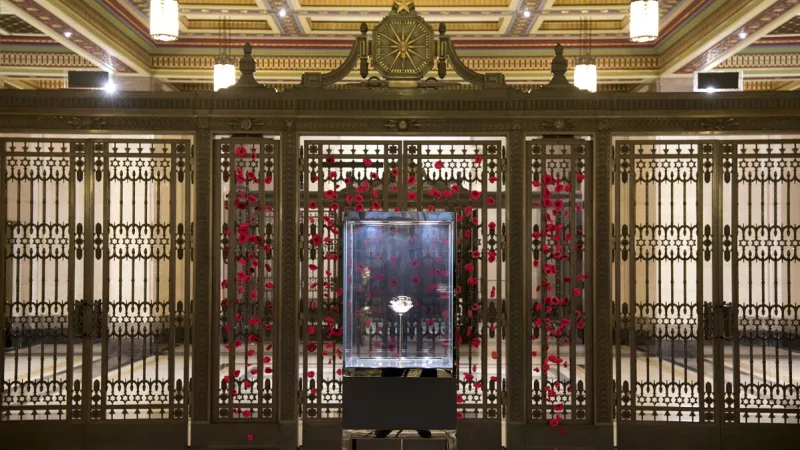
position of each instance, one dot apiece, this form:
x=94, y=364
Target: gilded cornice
x=44, y=60
x=505, y=64
x=762, y=61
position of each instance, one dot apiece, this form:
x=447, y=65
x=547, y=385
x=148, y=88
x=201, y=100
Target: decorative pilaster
x=287, y=306
x=519, y=371
x=201, y=345
x=603, y=244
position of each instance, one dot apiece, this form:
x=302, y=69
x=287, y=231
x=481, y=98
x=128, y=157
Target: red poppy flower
x=469, y=268
x=250, y=437
x=367, y=162
x=478, y=159
x=395, y=172
x=490, y=201
x=359, y=207
x=576, y=292
x=241, y=151
x=492, y=225
x=468, y=210
x=580, y=177
x=415, y=263
x=476, y=342
x=310, y=374
x=412, y=195
x=475, y=194
x=416, y=279
x=476, y=254
x=312, y=205
x=316, y=240
x=438, y=164
x=376, y=205
x=330, y=194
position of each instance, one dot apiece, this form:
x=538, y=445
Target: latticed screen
x=706, y=320
x=463, y=177
x=560, y=270
x=245, y=278
x=96, y=279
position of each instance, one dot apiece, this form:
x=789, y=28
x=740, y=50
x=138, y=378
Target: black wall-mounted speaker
x=82, y=79
x=718, y=81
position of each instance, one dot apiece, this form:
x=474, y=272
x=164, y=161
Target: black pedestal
x=406, y=441
x=399, y=403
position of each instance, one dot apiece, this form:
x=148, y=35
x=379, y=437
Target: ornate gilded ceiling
x=41, y=39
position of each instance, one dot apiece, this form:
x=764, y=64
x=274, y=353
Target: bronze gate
x=706, y=322
x=96, y=280
x=464, y=176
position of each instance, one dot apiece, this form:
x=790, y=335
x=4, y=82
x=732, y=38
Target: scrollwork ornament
x=86, y=123
x=246, y=124
x=402, y=125
x=559, y=125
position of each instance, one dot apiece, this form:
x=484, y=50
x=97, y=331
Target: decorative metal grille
x=95, y=323
x=461, y=176
x=760, y=256
x=561, y=297
x=245, y=266
x=663, y=256
x=707, y=323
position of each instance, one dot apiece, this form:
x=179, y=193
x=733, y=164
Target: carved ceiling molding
x=505, y=64
x=762, y=61
x=44, y=60
x=771, y=15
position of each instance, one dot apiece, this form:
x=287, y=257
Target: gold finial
x=400, y=6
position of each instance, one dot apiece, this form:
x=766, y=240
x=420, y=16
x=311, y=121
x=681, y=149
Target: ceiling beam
x=96, y=27
x=707, y=34
x=756, y=29
x=790, y=86
x=95, y=59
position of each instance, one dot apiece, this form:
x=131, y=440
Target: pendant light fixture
x=644, y=20
x=224, y=69
x=586, y=69
x=164, y=22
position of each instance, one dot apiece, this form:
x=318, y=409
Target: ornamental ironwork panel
x=140, y=241
x=96, y=246
x=663, y=301
x=560, y=305
x=245, y=204
x=759, y=316
x=465, y=177
x=43, y=322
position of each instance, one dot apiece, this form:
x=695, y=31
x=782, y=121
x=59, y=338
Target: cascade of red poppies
x=554, y=244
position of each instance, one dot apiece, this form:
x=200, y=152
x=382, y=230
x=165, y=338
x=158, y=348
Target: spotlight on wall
x=742, y=35
x=68, y=34
x=282, y=12
x=110, y=87
x=526, y=14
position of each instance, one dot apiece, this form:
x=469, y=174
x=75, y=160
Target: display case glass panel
x=398, y=290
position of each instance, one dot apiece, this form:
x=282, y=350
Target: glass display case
x=398, y=289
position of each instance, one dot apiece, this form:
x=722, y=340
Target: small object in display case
x=398, y=289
